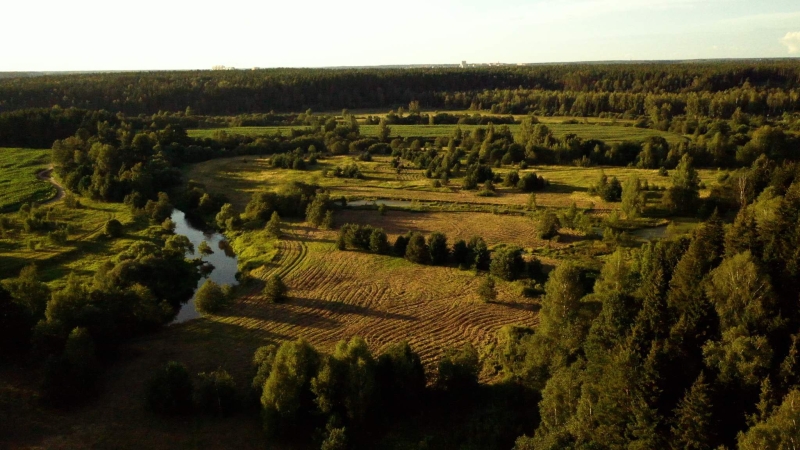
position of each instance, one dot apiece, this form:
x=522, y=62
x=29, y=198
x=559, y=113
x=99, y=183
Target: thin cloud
x=792, y=41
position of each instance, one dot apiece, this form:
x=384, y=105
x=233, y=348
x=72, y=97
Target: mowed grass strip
x=607, y=133
x=18, y=182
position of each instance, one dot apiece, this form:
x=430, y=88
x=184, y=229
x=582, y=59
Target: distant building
x=222, y=68
x=463, y=64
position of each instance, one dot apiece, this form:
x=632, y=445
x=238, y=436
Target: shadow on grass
x=560, y=188
x=345, y=308
x=288, y=313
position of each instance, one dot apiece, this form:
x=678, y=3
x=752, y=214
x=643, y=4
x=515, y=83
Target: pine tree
x=692, y=427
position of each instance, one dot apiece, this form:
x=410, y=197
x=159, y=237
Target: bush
x=274, y=225
x=210, y=298
x=378, y=242
x=458, y=368
x=531, y=182
x=439, y=253
x=608, y=190
x=400, y=245
x=507, y=263
x=547, y=225
x=113, y=228
x=275, y=291
x=487, y=290
x=461, y=254
x=417, y=250
x=169, y=391
x=479, y=253
x=216, y=393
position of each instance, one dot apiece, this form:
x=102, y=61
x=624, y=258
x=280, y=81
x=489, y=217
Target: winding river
x=223, y=260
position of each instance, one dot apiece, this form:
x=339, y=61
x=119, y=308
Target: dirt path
x=47, y=175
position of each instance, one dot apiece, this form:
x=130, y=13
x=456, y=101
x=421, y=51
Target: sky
x=75, y=35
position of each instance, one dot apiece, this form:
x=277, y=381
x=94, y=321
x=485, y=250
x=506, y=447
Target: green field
x=18, y=182
x=607, y=133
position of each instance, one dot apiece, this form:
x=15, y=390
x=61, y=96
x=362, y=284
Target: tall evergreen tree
x=692, y=427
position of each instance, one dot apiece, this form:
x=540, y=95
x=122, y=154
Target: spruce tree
x=692, y=427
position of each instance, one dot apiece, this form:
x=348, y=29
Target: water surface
x=223, y=260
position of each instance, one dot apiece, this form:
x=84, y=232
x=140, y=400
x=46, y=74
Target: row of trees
x=507, y=262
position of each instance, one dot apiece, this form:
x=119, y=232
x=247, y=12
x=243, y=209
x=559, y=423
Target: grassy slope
x=18, y=182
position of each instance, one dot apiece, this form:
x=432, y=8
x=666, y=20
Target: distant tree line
x=691, y=89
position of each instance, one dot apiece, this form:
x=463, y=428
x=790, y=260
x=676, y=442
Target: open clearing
x=239, y=177
x=604, y=132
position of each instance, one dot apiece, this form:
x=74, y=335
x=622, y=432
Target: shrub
x=461, y=254
x=378, y=242
x=487, y=290
x=210, y=298
x=437, y=245
x=169, y=391
x=479, y=253
x=458, y=368
x=531, y=182
x=400, y=245
x=547, y=225
x=275, y=290
x=417, y=250
x=274, y=225
x=216, y=393
x=507, y=263
x=113, y=228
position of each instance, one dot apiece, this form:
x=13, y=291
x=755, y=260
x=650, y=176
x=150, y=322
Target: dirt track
x=47, y=175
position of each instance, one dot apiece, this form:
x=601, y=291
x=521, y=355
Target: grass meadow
x=602, y=131
x=18, y=182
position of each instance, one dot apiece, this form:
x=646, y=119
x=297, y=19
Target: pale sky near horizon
x=54, y=35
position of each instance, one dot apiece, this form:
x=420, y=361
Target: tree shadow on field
x=288, y=313
x=346, y=308
x=561, y=188
x=520, y=306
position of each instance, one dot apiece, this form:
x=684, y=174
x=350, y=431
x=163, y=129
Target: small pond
x=223, y=260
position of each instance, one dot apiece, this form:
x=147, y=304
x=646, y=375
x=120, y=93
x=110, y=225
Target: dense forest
x=693, y=89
